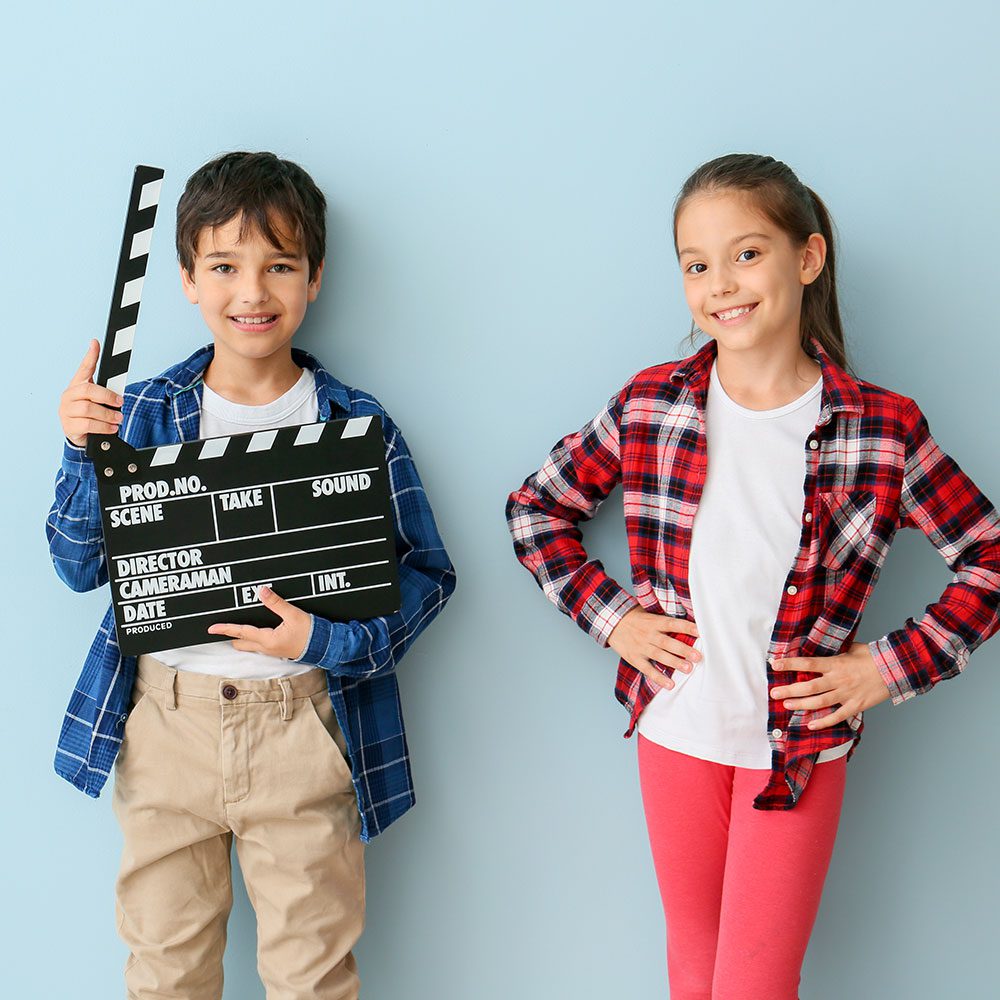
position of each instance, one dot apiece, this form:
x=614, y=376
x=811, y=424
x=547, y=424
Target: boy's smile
x=252, y=295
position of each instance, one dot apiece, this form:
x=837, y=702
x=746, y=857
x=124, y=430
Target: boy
x=289, y=740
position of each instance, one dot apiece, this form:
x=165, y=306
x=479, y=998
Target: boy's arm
x=580, y=472
x=426, y=581
x=73, y=525
x=962, y=524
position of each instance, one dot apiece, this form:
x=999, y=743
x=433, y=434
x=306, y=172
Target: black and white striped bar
x=192, y=530
x=132, y=259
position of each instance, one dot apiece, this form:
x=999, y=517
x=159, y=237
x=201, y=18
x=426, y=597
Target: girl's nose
x=724, y=282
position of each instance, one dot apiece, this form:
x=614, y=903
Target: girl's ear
x=187, y=283
x=813, y=259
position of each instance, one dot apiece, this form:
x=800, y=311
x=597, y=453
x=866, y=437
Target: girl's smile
x=743, y=278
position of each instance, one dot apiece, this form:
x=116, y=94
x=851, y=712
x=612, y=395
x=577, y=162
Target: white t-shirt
x=219, y=416
x=745, y=537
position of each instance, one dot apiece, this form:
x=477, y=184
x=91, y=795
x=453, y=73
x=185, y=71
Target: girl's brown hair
x=798, y=211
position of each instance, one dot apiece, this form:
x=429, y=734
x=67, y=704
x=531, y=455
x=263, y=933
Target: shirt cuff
x=604, y=609
x=75, y=462
x=891, y=670
x=325, y=647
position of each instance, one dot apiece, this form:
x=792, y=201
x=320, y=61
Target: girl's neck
x=766, y=376
x=251, y=381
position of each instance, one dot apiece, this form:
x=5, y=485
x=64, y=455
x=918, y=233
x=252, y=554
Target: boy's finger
x=274, y=603
x=99, y=394
x=89, y=364
x=94, y=411
x=245, y=632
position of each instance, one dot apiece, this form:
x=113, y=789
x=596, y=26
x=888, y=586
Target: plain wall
x=500, y=178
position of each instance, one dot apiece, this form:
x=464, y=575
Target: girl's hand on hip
x=851, y=681
x=288, y=640
x=643, y=640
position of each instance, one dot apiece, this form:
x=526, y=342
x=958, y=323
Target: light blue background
x=500, y=178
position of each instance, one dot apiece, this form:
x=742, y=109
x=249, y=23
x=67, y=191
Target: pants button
x=229, y=692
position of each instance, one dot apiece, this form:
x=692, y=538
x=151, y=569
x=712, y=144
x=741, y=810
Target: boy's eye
x=690, y=266
x=223, y=268
x=742, y=252
x=281, y=268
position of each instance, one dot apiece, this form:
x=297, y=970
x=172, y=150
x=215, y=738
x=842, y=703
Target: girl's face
x=743, y=278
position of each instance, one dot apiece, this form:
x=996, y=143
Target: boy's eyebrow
x=735, y=239
x=277, y=255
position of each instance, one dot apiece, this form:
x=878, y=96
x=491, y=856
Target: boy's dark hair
x=268, y=191
x=798, y=211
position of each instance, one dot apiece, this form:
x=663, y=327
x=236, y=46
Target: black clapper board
x=192, y=530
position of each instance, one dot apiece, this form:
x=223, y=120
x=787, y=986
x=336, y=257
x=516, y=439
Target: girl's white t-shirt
x=745, y=537
x=219, y=417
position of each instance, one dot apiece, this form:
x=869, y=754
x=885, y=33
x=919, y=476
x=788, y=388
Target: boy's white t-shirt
x=219, y=416
x=745, y=537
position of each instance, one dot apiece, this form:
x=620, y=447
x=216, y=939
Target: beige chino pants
x=206, y=760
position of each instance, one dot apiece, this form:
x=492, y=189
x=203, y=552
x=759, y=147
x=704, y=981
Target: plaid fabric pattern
x=360, y=657
x=872, y=467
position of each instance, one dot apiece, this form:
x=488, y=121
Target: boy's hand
x=288, y=640
x=85, y=407
x=851, y=681
x=642, y=639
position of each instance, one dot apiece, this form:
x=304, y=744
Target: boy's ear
x=316, y=280
x=190, y=288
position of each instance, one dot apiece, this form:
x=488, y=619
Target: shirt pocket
x=846, y=521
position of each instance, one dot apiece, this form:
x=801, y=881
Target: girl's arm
x=580, y=472
x=962, y=524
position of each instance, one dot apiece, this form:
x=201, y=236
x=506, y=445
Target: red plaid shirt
x=872, y=467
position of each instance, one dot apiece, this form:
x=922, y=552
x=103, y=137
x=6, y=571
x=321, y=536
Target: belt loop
x=286, y=699
x=170, y=694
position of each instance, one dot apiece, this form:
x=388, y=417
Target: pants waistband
x=184, y=683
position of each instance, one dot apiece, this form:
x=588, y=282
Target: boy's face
x=252, y=294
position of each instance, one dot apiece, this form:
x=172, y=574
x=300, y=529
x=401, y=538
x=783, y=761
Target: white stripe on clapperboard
x=240, y=607
x=243, y=538
x=262, y=441
x=238, y=562
x=254, y=583
x=150, y=194
x=234, y=489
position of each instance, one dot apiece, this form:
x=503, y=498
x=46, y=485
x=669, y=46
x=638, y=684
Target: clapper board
x=192, y=530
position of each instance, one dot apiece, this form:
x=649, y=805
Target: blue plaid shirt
x=359, y=657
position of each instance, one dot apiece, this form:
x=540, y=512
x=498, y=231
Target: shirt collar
x=188, y=375
x=840, y=390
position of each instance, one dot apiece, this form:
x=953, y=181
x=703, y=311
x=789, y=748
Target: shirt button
x=793, y=589
x=809, y=516
x=229, y=692
x=776, y=733
x=813, y=443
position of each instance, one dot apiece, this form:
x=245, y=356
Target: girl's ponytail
x=820, y=310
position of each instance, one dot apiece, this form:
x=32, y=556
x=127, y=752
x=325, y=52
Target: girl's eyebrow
x=735, y=239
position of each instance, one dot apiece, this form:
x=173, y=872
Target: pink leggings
x=740, y=886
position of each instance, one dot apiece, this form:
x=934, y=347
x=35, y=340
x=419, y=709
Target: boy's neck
x=251, y=381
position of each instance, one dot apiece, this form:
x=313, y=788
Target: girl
x=763, y=485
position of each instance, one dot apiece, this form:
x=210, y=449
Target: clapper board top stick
x=192, y=530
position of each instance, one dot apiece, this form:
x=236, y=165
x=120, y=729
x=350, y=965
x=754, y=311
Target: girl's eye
x=742, y=252
x=690, y=266
x=223, y=268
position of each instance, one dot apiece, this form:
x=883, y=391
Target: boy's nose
x=253, y=292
